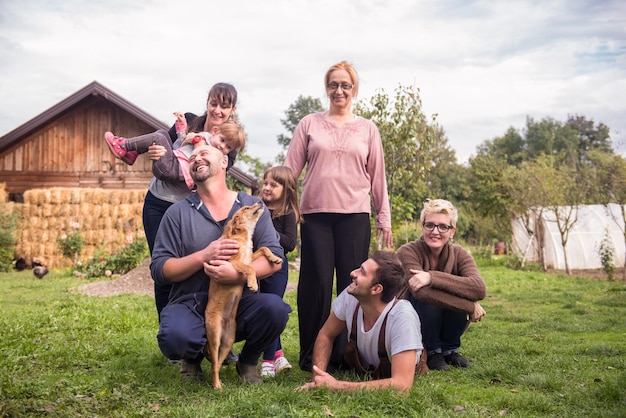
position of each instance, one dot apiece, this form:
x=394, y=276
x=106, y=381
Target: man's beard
x=202, y=176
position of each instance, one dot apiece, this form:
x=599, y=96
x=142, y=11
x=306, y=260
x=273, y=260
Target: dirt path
x=137, y=280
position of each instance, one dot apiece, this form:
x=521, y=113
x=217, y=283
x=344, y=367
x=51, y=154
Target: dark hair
x=226, y=96
x=389, y=274
x=289, y=200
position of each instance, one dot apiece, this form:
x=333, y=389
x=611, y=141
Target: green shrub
x=71, y=245
x=120, y=263
x=606, y=251
x=9, y=222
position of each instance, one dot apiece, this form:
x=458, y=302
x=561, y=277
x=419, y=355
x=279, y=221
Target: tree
x=611, y=175
x=525, y=189
x=295, y=112
x=590, y=137
x=408, y=140
x=511, y=147
x=490, y=199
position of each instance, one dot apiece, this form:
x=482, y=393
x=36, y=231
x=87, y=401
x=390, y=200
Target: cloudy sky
x=482, y=66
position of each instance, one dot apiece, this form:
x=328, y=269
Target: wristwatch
x=196, y=139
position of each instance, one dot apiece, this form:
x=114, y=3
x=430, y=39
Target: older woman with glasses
x=344, y=161
x=444, y=283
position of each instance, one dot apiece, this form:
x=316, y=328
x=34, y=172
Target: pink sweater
x=343, y=165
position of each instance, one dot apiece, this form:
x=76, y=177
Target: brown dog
x=224, y=299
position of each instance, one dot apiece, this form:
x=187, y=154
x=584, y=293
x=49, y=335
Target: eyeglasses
x=429, y=226
x=344, y=86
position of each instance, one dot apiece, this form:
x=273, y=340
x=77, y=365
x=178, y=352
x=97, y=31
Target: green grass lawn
x=550, y=345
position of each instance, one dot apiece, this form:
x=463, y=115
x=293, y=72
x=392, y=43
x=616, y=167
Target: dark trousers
x=153, y=211
x=261, y=318
x=275, y=284
x=331, y=243
x=441, y=328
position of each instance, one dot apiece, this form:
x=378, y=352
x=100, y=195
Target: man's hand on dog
x=224, y=272
x=221, y=249
x=216, y=264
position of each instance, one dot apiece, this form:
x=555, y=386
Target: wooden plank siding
x=70, y=151
x=64, y=146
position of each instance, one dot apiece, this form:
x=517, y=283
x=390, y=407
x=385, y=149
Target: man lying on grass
x=385, y=338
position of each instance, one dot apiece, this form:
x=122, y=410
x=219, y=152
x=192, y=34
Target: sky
x=481, y=66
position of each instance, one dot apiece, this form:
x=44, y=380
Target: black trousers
x=330, y=243
x=153, y=211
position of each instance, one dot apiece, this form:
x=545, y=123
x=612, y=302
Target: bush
x=71, y=244
x=9, y=222
x=120, y=263
x=606, y=252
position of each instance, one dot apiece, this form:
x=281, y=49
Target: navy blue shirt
x=188, y=227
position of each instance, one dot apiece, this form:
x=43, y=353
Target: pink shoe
x=117, y=145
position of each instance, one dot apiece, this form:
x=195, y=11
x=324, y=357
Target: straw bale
x=105, y=211
x=90, y=236
x=58, y=195
x=96, y=211
x=46, y=210
x=44, y=196
x=114, y=199
x=115, y=211
x=75, y=196
x=29, y=196
x=102, y=196
x=24, y=209
x=34, y=221
x=65, y=210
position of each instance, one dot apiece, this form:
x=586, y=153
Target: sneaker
x=191, y=371
x=457, y=360
x=281, y=364
x=248, y=373
x=267, y=369
x=436, y=361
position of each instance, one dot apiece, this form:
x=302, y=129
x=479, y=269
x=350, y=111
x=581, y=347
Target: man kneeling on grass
x=385, y=338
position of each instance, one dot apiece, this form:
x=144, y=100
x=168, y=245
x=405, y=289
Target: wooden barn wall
x=70, y=151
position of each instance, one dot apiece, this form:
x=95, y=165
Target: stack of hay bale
x=107, y=219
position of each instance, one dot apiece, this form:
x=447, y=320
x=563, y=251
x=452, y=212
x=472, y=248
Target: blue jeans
x=441, y=328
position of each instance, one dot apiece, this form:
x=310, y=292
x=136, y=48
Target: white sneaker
x=281, y=364
x=267, y=369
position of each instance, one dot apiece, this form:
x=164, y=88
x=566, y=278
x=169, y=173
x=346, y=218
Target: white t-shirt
x=403, y=329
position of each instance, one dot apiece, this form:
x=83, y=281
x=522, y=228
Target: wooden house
x=64, y=146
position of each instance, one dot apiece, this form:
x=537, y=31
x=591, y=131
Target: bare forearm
x=321, y=352
x=179, y=269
